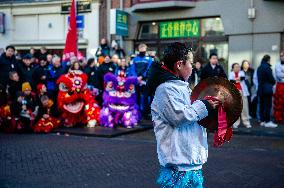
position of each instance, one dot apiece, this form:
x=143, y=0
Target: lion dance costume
x=119, y=106
x=75, y=102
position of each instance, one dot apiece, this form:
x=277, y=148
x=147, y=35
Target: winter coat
x=102, y=70
x=140, y=66
x=208, y=71
x=91, y=72
x=7, y=65
x=26, y=73
x=181, y=141
x=265, y=79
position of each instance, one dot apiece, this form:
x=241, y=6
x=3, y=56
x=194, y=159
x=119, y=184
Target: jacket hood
x=157, y=76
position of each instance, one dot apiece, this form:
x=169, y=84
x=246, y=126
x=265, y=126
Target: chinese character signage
x=121, y=23
x=180, y=29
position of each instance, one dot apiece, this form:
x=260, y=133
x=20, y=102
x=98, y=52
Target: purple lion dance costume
x=119, y=106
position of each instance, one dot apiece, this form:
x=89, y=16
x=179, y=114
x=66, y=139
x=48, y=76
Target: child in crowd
x=40, y=91
x=26, y=107
x=122, y=69
x=181, y=142
x=46, y=119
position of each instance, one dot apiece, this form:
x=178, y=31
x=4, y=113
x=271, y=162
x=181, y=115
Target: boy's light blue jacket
x=181, y=141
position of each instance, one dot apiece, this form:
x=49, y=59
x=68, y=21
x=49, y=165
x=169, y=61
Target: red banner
x=70, y=49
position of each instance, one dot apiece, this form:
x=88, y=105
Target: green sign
x=180, y=29
x=121, y=23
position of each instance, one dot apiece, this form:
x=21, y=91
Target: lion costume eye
x=62, y=87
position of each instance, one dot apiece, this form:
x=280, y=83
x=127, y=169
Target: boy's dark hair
x=175, y=52
x=266, y=58
x=212, y=54
x=233, y=65
x=11, y=73
x=90, y=61
x=10, y=46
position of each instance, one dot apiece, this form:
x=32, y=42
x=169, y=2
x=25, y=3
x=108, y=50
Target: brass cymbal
x=226, y=92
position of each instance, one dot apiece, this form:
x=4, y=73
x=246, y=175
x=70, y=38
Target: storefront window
x=204, y=36
x=148, y=31
x=212, y=27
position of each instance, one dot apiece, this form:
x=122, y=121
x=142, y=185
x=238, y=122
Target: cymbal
x=226, y=92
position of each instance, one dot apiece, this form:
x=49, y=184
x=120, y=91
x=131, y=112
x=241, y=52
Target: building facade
x=234, y=29
x=45, y=23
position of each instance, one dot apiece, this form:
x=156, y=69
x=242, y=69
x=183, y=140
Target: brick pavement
x=39, y=160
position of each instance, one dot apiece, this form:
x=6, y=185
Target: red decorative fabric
x=223, y=134
x=238, y=84
x=71, y=39
x=278, y=107
x=45, y=125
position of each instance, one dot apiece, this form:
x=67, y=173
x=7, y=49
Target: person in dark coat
x=8, y=63
x=266, y=82
x=194, y=78
x=26, y=70
x=15, y=85
x=91, y=70
x=106, y=67
x=213, y=69
x=41, y=71
x=104, y=49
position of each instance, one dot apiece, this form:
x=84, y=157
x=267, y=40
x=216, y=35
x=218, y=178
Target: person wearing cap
x=24, y=108
x=26, y=70
x=181, y=142
x=8, y=63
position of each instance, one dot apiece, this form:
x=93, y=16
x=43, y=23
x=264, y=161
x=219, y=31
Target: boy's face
x=56, y=63
x=43, y=89
x=213, y=60
x=15, y=77
x=107, y=59
x=185, y=70
x=49, y=57
x=27, y=62
x=10, y=52
x=44, y=102
x=27, y=92
x=236, y=68
x=115, y=58
x=142, y=49
x=123, y=62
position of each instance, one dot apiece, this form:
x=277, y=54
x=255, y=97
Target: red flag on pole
x=71, y=39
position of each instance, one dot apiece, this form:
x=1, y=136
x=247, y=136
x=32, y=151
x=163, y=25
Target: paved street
x=38, y=160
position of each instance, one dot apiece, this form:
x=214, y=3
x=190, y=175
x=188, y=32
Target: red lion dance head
x=75, y=101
